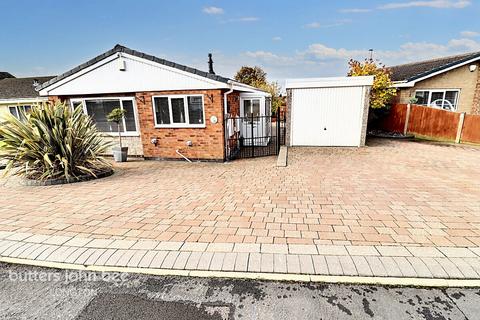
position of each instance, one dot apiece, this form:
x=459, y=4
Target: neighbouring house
x=172, y=109
x=450, y=83
x=19, y=93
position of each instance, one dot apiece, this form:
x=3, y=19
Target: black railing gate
x=253, y=136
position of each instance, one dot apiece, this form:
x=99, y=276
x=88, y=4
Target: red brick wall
x=208, y=142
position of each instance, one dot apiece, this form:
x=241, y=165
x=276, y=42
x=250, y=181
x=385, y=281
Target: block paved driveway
x=391, y=193
x=387, y=193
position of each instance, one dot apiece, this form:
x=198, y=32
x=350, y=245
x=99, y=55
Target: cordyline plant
x=53, y=142
x=382, y=91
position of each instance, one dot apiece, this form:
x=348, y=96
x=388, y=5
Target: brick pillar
x=288, y=118
x=476, y=97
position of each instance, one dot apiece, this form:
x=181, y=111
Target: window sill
x=179, y=126
x=123, y=134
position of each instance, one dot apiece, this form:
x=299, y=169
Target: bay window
x=179, y=111
x=99, y=108
x=442, y=99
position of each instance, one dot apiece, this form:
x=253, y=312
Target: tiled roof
x=412, y=71
x=4, y=75
x=18, y=88
x=120, y=48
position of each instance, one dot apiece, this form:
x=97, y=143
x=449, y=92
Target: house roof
x=413, y=71
x=4, y=75
x=119, y=48
x=19, y=88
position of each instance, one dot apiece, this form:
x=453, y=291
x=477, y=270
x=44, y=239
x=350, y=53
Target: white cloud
x=355, y=10
x=439, y=4
x=277, y=38
x=242, y=19
x=469, y=34
x=317, y=25
x=213, y=10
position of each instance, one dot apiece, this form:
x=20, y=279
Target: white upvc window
x=99, y=108
x=179, y=111
x=442, y=99
x=16, y=110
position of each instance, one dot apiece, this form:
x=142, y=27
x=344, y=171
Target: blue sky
x=304, y=38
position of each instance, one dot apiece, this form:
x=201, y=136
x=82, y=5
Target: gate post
x=278, y=124
x=253, y=142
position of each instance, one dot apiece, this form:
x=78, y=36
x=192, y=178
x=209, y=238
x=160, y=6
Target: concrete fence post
x=461, y=119
x=407, y=118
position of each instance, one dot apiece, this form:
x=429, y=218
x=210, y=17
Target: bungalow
x=19, y=93
x=172, y=110
x=450, y=83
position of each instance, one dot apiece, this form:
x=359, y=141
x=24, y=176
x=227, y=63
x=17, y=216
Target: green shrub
x=53, y=142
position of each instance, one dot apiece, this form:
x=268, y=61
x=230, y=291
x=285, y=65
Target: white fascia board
x=23, y=100
x=412, y=83
x=45, y=91
x=249, y=89
x=329, y=82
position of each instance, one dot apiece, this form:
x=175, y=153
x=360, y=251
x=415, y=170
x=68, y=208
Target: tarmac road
x=39, y=293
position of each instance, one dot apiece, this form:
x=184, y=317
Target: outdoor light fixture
x=121, y=63
x=473, y=67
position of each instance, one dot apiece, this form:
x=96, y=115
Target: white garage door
x=327, y=116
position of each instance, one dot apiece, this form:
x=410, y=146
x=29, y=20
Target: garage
x=328, y=111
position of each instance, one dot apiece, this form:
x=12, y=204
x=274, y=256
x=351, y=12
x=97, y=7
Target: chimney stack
x=210, y=64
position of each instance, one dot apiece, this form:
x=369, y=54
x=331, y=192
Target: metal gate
x=254, y=136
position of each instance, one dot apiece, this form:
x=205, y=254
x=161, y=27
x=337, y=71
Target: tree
x=116, y=116
x=382, y=91
x=253, y=76
x=256, y=77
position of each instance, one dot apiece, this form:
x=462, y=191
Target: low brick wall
x=433, y=123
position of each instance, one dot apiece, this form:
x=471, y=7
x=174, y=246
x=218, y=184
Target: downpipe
x=225, y=132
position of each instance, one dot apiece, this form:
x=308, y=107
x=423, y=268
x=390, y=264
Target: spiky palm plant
x=53, y=142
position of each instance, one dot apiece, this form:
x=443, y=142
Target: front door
x=250, y=112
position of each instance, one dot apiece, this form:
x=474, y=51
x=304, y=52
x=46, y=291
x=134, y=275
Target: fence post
x=460, y=127
x=407, y=118
x=277, y=123
x=253, y=140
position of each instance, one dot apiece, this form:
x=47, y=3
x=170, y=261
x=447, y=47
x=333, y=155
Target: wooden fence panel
x=395, y=121
x=471, y=129
x=435, y=123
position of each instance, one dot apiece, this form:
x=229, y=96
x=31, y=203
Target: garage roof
x=329, y=82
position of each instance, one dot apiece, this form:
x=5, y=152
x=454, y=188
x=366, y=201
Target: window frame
x=124, y=133
x=185, y=106
x=17, y=109
x=444, y=91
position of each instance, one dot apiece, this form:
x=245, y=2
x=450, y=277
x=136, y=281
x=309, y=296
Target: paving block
x=193, y=260
x=82, y=258
x=220, y=247
x=393, y=251
x=247, y=247
x=169, y=246
x=391, y=267
x=125, y=258
x=57, y=240
x=37, y=238
x=10, y=249
x=241, y=262
x=454, y=252
x=104, y=257
x=136, y=258
x=450, y=268
x=267, y=262
x=376, y=266
x=467, y=271
x=334, y=266
x=157, y=261
x=306, y=264
x=147, y=259
x=217, y=261
x=43, y=256
x=320, y=265
x=96, y=254
x=77, y=242
x=229, y=261
x=99, y=243
x=293, y=264
x=362, y=250
x=332, y=250
x=348, y=266
x=145, y=245
x=280, y=263
x=19, y=236
x=435, y=268
x=255, y=262
x=420, y=267
x=302, y=249
x=362, y=267
x=74, y=256
x=122, y=244
x=194, y=246
x=405, y=267
x=204, y=262
x=112, y=261
x=181, y=261
x=169, y=260
x=27, y=252
x=425, y=252
x=21, y=249
x=274, y=248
